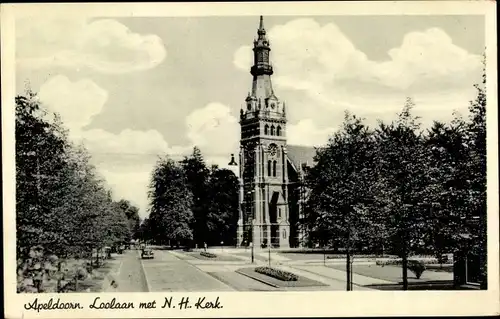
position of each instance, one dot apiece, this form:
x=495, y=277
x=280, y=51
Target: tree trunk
x=58, y=286
x=405, y=267
x=348, y=269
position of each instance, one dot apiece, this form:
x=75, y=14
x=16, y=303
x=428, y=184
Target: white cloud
x=132, y=186
x=307, y=54
x=125, y=159
x=306, y=132
x=76, y=102
x=321, y=73
x=423, y=56
x=104, y=45
x=126, y=142
x=214, y=130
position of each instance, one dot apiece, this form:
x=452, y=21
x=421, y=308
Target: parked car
x=121, y=249
x=147, y=253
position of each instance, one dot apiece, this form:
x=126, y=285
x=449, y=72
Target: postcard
x=257, y=159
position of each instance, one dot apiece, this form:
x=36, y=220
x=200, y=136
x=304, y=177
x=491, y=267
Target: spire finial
x=261, y=31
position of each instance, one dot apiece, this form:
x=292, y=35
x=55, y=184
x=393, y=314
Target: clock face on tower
x=273, y=150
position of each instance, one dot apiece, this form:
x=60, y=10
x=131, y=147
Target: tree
x=341, y=184
x=171, y=202
x=197, y=175
x=402, y=163
x=132, y=215
x=477, y=217
x=448, y=189
x=222, y=218
x=40, y=162
x=63, y=209
x=145, y=232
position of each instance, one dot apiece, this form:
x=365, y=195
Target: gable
x=299, y=155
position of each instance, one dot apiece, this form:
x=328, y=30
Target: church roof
x=299, y=155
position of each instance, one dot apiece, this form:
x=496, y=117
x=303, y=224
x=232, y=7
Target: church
x=271, y=175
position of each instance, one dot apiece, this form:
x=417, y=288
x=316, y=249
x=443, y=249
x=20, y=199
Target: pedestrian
x=205, y=246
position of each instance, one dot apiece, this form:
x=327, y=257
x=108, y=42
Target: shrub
x=207, y=254
x=417, y=267
x=277, y=273
x=353, y=256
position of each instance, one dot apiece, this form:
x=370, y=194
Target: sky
x=134, y=88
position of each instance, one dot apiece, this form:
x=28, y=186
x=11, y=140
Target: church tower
x=264, y=212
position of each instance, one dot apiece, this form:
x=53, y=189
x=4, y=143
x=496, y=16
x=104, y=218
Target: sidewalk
x=128, y=275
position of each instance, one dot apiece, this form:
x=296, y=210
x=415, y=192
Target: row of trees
x=191, y=204
x=401, y=189
x=63, y=209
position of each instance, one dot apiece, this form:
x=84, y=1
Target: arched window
x=278, y=131
x=272, y=129
x=266, y=129
x=268, y=168
x=274, y=168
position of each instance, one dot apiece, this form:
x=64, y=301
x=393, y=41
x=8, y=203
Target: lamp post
x=269, y=250
x=232, y=162
x=252, y=242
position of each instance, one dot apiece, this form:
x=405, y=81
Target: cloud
x=214, y=130
x=426, y=56
x=320, y=73
x=76, y=102
x=103, y=45
x=126, y=142
x=307, y=54
x=125, y=159
x=132, y=186
x=306, y=132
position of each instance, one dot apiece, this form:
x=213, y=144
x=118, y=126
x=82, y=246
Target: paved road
x=167, y=272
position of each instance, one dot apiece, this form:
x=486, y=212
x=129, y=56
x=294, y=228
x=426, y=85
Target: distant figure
x=205, y=246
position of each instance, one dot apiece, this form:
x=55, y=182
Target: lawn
x=427, y=285
x=301, y=281
x=389, y=273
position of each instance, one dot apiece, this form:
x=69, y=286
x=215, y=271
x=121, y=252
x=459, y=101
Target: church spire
x=262, y=95
x=261, y=50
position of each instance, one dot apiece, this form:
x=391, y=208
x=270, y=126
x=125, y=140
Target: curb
x=258, y=279
x=148, y=287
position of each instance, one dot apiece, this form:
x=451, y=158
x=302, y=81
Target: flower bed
x=276, y=273
x=208, y=255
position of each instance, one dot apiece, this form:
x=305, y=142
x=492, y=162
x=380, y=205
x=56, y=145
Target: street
x=167, y=272
x=178, y=271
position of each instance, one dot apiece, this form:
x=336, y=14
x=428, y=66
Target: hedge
x=277, y=273
x=354, y=256
x=398, y=261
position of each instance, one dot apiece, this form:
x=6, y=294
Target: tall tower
x=264, y=213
